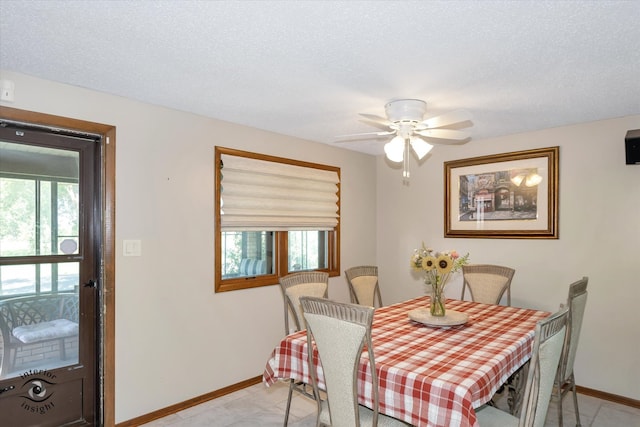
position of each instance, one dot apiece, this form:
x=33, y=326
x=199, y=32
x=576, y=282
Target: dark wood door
x=50, y=222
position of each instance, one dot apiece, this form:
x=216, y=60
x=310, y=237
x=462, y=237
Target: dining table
x=428, y=375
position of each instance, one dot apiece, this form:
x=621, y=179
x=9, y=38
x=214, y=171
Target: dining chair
x=487, y=283
x=363, y=285
x=340, y=332
x=294, y=286
x=545, y=356
x=565, y=381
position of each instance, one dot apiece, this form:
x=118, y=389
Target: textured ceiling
x=308, y=68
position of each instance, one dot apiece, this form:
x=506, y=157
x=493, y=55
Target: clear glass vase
x=437, y=301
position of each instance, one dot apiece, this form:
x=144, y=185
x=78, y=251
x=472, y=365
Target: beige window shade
x=264, y=195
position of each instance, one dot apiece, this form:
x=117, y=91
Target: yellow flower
x=444, y=264
x=428, y=263
x=437, y=266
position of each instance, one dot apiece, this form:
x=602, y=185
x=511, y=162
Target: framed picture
x=503, y=196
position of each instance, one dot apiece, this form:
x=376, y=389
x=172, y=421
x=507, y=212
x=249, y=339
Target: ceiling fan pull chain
x=405, y=170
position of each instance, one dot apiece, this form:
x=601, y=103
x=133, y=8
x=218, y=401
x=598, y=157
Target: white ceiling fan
x=405, y=119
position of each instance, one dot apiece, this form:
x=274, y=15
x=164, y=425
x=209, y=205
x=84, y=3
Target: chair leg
x=515, y=389
x=559, y=396
x=575, y=400
x=286, y=413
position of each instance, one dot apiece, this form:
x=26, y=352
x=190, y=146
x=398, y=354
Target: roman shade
x=261, y=195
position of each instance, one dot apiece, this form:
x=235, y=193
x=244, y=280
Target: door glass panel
x=17, y=217
x=22, y=280
x=39, y=200
x=16, y=280
x=67, y=276
x=39, y=250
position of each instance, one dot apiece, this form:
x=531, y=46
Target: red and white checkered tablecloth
x=429, y=376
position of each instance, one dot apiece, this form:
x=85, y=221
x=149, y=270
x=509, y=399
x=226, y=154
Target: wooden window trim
x=280, y=237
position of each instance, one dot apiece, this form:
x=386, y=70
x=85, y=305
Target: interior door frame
x=106, y=375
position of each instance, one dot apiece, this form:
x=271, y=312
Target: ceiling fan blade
x=376, y=119
x=360, y=135
x=447, y=119
x=445, y=134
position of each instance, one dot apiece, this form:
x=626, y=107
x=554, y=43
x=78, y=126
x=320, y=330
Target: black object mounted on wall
x=632, y=147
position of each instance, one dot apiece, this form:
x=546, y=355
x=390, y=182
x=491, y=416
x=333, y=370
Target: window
x=274, y=216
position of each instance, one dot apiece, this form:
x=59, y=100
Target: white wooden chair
x=565, y=382
x=363, y=285
x=545, y=357
x=487, y=283
x=294, y=286
x=340, y=331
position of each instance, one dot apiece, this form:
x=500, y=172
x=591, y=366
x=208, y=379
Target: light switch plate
x=7, y=88
x=132, y=247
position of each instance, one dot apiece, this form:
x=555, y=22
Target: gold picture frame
x=503, y=196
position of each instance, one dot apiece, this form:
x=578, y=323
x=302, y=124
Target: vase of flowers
x=437, y=268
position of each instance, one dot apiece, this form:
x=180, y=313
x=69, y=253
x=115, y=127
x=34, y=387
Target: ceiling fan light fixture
x=420, y=146
x=394, y=149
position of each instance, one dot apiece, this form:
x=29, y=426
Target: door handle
x=91, y=284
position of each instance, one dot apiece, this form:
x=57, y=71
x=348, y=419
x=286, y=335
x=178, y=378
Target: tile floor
x=264, y=406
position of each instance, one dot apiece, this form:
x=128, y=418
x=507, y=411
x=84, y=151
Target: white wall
x=175, y=338
x=172, y=329
x=599, y=237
